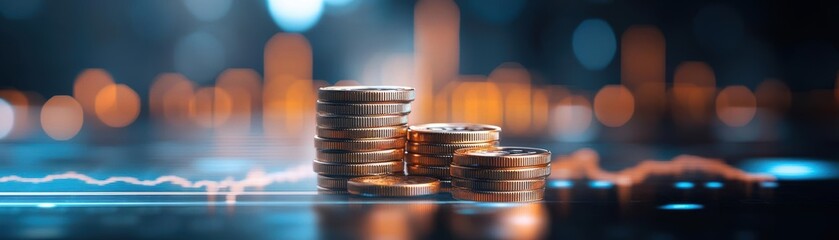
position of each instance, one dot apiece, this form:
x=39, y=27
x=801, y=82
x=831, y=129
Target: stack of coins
x=500, y=174
x=430, y=147
x=393, y=186
x=361, y=132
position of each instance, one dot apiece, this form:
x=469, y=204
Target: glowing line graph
x=253, y=179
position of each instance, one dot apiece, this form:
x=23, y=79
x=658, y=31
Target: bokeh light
x=693, y=90
x=793, y=168
x=295, y=15
x=7, y=118
x=88, y=84
x=572, y=119
x=208, y=10
x=736, y=106
x=210, y=107
x=62, y=117
x=614, y=105
x=594, y=44
x=199, y=56
x=117, y=105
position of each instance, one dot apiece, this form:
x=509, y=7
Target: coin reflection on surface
x=375, y=221
x=499, y=221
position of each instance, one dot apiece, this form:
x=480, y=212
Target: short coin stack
x=430, y=147
x=500, y=174
x=361, y=132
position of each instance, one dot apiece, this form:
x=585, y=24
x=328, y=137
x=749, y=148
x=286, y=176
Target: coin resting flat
x=366, y=94
x=453, y=133
x=500, y=157
x=393, y=186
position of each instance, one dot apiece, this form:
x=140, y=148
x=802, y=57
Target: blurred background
x=596, y=71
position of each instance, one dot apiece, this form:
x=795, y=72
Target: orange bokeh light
x=87, y=86
x=694, y=85
x=614, y=105
x=436, y=52
x=62, y=117
x=117, y=105
x=736, y=106
x=210, y=107
x=643, y=67
x=774, y=95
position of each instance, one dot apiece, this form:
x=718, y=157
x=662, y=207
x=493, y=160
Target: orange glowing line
x=584, y=164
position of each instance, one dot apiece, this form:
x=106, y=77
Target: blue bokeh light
x=793, y=168
x=594, y=44
x=683, y=185
x=560, y=184
x=200, y=56
x=295, y=15
x=600, y=184
x=769, y=184
x=713, y=185
x=681, y=206
x=208, y=10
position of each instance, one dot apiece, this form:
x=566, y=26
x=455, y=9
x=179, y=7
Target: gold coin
x=359, y=144
x=364, y=169
x=493, y=196
x=443, y=148
x=339, y=121
x=441, y=173
x=356, y=133
x=360, y=157
x=393, y=186
x=517, y=173
x=366, y=94
x=501, y=157
x=453, y=133
x=331, y=108
x=428, y=160
x=502, y=185
x=333, y=182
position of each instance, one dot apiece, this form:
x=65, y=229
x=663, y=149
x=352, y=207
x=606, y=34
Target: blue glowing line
x=560, y=184
x=769, y=184
x=713, y=185
x=683, y=185
x=793, y=168
x=681, y=206
x=45, y=205
x=600, y=184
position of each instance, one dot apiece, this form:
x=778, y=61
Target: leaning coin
x=359, y=157
x=334, y=169
x=366, y=94
x=340, y=121
x=359, y=144
x=493, y=196
x=331, y=108
x=443, y=148
x=501, y=157
x=393, y=186
x=516, y=173
x=500, y=185
x=453, y=133
x=356, y=133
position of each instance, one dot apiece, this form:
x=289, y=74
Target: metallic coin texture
x=393, y=186
x=340, y=121
x=331, y=108
x=443, y=148
x=500, y=185
x=360, y=157
x=453, y=133
x=501, y=157
x=359, y=145
x=366, y=94
x=441, y=173
x=333, y=169
x=428, y=160
x=333, y=182
x=363, y=133
x=517, y=173
x=493, y=196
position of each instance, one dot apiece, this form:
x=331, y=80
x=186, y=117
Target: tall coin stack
x=430, y=147
x=500, y=174
x=361, y=132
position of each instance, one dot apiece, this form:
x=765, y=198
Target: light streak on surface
x=713, y=185
x=614, y=105
x=584, y=164
x=683, y=185
x=117, y=105
x=253, y=179
x=62, y=117
x=736, y=106
x=88, y=84
x=793, y=168
x=681, y=206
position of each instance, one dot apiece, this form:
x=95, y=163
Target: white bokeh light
x=295, y=15
x=7, y=118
